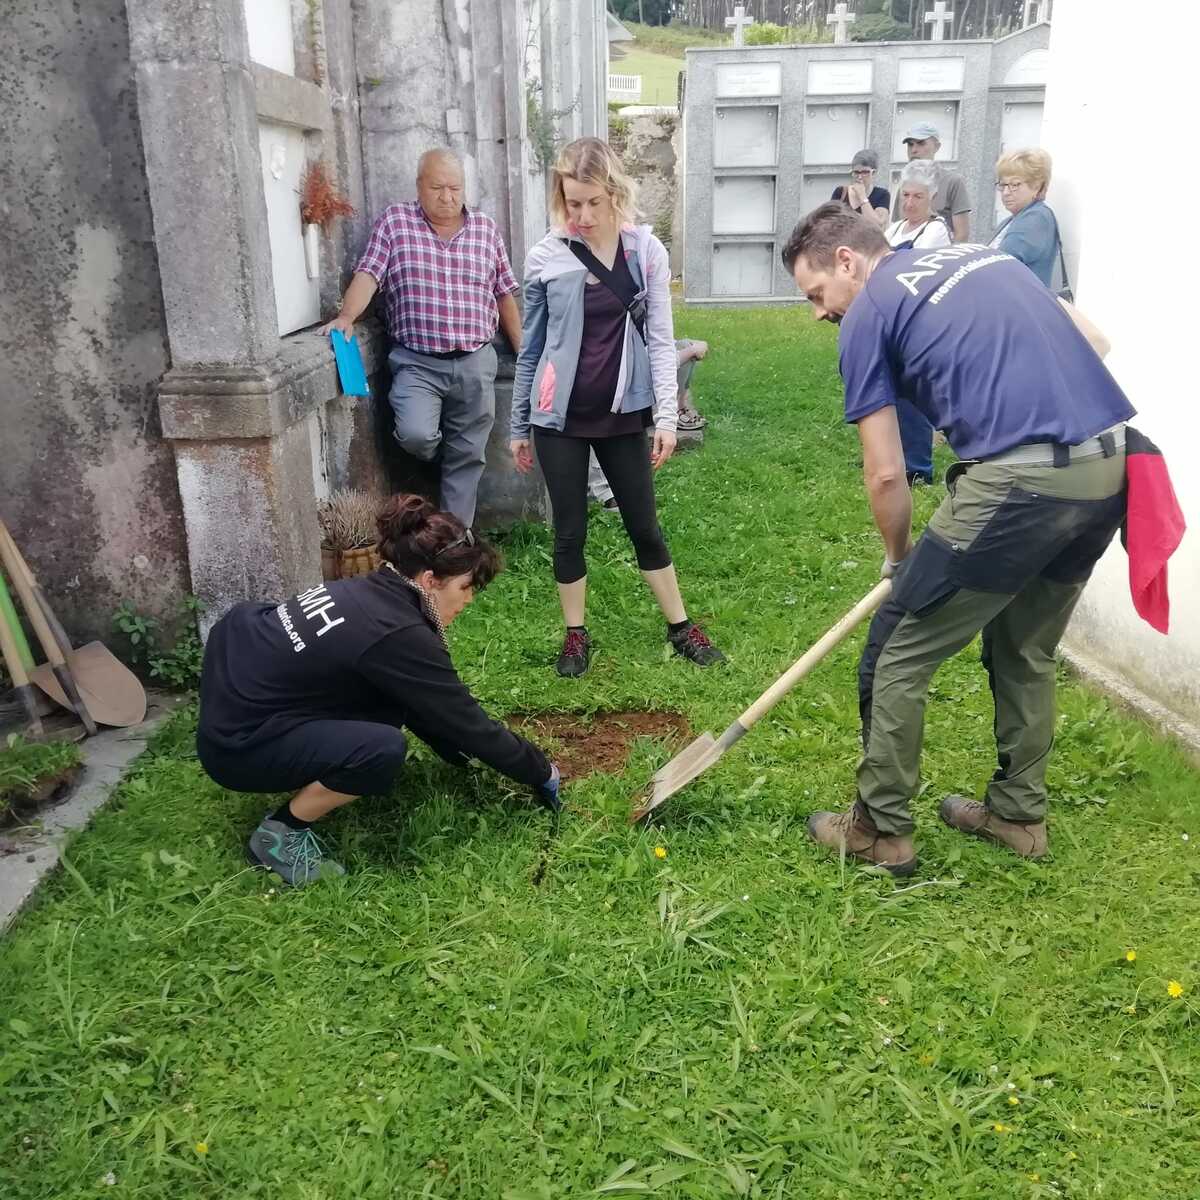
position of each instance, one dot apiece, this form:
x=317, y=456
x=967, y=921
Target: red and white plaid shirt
x=440, y=295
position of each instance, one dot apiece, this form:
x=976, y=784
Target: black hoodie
x=358, y=649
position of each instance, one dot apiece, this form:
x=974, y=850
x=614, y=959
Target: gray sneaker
x=297, y=856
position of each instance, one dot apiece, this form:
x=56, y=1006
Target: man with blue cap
x=951, y=201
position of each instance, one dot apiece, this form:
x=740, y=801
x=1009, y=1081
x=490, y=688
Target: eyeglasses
x=1010, y=187
x=467, y=539
x=862, y=171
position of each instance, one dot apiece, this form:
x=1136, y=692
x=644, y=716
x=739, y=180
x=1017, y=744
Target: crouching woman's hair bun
x=415, y=536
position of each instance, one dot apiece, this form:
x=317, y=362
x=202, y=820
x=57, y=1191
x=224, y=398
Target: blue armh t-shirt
x=980, y=346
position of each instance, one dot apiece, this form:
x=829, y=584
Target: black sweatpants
x=625, y=461
x=357, y=758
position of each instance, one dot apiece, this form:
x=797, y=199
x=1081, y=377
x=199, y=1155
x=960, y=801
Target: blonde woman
x=1030, y=234
x=598, y=356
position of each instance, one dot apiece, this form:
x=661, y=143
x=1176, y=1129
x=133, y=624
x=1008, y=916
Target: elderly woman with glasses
x=860, y=193
x=311, y=696
x=1030, y=233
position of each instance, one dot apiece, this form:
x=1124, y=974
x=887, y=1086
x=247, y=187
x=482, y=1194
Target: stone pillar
x=256, y=420
x=199, y=118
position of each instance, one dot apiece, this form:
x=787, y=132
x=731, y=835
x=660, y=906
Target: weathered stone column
x=250, y=415
x=199, y=118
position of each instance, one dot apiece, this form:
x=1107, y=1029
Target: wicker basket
x=362, y=560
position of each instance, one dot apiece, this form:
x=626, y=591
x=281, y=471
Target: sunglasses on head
x=467, y=539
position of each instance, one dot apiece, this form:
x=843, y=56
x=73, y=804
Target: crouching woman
x=312, y=695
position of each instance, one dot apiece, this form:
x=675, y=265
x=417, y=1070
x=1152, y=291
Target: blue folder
x=349, y=364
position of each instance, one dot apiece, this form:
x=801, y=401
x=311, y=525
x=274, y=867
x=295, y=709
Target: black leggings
x=357, y=758
x=625, y=461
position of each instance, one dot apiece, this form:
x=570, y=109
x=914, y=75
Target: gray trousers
x=1007, y=554
x=446, y=404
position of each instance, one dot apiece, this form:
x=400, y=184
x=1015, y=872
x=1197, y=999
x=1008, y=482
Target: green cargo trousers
x=1008, y=553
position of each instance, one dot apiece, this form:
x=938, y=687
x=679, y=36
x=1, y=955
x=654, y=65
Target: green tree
x=880, y=27
x=649, y=12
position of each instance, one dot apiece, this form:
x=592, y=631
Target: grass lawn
x=743, y=1017
x=659, y=72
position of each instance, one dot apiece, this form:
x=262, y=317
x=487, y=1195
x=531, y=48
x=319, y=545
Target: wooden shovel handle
x=24, y=582
x=36, y=609
x=12, y=655
x=809, y=659
x=11, y=652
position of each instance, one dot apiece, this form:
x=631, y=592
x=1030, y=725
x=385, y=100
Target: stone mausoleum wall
x=171, y=419
x=87, y=484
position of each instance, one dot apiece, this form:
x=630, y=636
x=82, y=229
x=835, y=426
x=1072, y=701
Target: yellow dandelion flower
x=1034, y=1177
x=926, y=1060
x=1131, y=956
x=1131, y=1009
x=201, y=1148
x=1174, y=989
x=1000, y=1127
x=1014, y=1100
x=660, y=852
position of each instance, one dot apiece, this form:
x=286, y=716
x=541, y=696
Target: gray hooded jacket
x=553, y=330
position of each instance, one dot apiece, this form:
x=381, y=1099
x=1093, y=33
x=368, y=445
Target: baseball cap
x=920, y=131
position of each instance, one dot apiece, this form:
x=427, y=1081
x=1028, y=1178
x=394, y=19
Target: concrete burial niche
x=746, y=137
x=770, y=132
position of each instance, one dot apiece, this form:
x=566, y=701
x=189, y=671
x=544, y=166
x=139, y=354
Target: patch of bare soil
x=20, y=805
x=582, y=744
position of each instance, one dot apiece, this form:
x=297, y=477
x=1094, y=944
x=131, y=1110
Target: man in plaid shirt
x=446, y=284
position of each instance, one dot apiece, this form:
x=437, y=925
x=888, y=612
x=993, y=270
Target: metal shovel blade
x=111, y=692
x=694, y=759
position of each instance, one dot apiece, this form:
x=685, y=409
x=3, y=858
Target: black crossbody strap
x=1062, y=261
x=623, y=289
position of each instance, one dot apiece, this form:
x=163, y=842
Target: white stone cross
x=739, y=21
x=939, y=19
x=1038, y=7
x=839, y=19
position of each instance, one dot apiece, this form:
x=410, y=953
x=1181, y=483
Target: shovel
x=17, y=660
x=706, y=750
x=90, y=680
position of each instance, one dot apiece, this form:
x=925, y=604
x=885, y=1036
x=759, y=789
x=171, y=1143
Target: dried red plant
x=320, y=201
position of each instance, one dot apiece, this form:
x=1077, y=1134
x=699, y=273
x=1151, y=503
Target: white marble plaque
x=931, y=74
x=744, y=204
x=837, y=77
x=818, y=189
x=749, y=79
x=297, y=298
x=1030, y=70
x=941, y=114
x=746, y=137
x=834, y=133
x=743, y=269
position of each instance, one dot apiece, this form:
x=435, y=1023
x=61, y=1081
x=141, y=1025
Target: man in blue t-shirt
x=1014, y=379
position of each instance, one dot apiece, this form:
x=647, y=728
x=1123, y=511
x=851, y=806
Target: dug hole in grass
x=34, y=774
x=704, y=1007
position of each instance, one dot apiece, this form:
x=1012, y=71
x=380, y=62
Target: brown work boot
x=855, y=832
x=1027, y=840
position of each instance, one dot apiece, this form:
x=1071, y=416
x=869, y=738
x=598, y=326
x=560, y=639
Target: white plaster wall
x=269, y=32
x=1133, y=255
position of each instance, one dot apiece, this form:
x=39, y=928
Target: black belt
x=443, y=354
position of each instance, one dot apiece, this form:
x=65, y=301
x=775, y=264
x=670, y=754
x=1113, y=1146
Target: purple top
x=589, y=410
